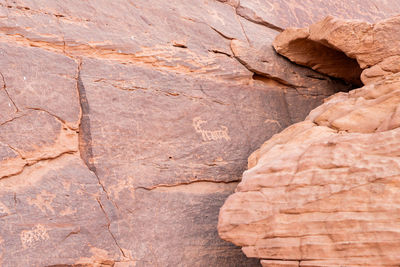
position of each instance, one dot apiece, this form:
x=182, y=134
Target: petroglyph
x=209, y=135
x=68, y=211
x=3, y=210
x=273, y=121
x=30, y=238
x=43, y=201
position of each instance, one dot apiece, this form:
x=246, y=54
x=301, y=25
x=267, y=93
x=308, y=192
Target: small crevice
x=219, y=52
x=8, y=95
x=12, y=119
x=16, y=151
x=260, y=22
x=30, y=162
x=260, y=76
x=60, y=120
x=150, y=188
x=179, y=45
x=241, y=26
x=264, y=77
x=221, y=34
x=316, y=77
x=72, y=233
x=108, y=227
x=85, y=135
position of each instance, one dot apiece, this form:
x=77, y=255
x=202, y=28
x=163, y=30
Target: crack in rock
x=108, y=227
x=8, y=95
x=194, y=187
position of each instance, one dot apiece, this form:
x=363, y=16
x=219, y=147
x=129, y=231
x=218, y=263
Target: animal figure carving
x=209, y=135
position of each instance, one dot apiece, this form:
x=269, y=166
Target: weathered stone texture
x=324, y=192
x=124, y=125
x=343, y=48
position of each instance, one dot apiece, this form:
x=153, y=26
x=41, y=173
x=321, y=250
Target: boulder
x=324, y=191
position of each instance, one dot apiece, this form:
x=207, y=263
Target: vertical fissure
x=85, y=145
x=6, y=91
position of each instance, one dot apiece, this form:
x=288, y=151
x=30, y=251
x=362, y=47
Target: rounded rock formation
x=325, y=191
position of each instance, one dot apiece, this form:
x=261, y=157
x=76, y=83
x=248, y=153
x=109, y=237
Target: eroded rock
x=57, y=206
x=43, y=81
x=343, y=48
x=324, y=191
x=124, y=125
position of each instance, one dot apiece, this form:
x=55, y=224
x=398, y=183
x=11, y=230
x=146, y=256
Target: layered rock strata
x=325, y=191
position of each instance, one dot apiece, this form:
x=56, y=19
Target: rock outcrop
x=124, y=125
x=325, y=191
x=342, y=49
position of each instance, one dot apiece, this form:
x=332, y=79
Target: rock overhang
x=323, y=191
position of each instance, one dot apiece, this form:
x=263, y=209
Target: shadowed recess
x=325, y=60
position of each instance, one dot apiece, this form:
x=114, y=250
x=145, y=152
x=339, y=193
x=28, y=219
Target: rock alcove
x=296, y=46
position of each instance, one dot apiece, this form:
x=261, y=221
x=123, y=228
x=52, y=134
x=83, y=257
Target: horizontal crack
x=219, y=52
x=19, y=115
x=197, y=186
x=30, y=162
x=60, y=120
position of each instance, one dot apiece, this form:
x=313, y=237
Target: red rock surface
x=343, y=48
x=124, y=125
x=324, y=192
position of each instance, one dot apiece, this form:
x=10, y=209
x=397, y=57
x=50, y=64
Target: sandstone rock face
x=124, y=125
x=324, y=192
x=343, y=48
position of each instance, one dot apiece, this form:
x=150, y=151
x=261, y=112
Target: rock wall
x=124, y=125
x=324, y=192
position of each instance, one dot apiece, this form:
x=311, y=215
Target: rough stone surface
x=278, y=263
x=324, y=192
x=124, y=125
x=385, y=67
x=292, y=13
x=343, y=48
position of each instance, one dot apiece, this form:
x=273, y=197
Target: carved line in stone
x=209, y=135
x=3, y=209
